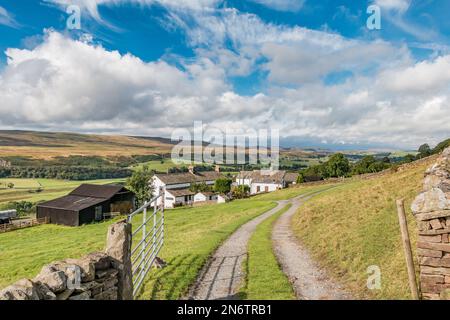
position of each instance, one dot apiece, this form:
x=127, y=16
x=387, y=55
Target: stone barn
x=87, y=203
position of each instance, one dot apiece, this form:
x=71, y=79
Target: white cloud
x=64, y=84
x=282, y=5
x=395, y=5
x=7, y=19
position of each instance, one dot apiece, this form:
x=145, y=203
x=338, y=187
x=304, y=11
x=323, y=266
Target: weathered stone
x=431, y=279
x=434, y=232
x=435, y=262
x=436, y=271
x=110, y=294
x=435, y=239
x=110, y=283
x=101, y=260
x=23, y=289
x=106, y=273
x=44, y=292
x=429, y=253
x=82, y=296
x=445, y=238
x=423, y=225
x=56, y=280
x=434, y=288
x=88, y=286
x=432, y=200
x=447, y=279
x=431, y=296
x=447, y=222
x=65, y=294
x=86, y=266
x=436, y=224
x=445, y=247
x=118, y=246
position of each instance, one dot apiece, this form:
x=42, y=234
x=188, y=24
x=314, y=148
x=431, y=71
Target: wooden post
x=407, y=248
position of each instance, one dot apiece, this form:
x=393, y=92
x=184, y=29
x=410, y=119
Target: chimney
x=191, y=169
x=217, y=168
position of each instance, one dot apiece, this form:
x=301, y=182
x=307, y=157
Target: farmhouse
x=177, y=185
x=86, y=204
x=205, y=196
x=261, y=181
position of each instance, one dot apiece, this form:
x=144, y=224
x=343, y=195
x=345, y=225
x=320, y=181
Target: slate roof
x=72, y=203
x=97, y=191
x=261, y=176
x=291, y=177
x=180, y=192
x=187, y=177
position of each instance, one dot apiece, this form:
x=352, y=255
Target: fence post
x=118, y=246
x=407, y=248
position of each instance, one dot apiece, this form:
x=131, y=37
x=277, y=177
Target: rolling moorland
x=347, y=228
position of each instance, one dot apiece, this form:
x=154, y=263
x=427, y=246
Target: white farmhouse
x=205, y=196
x=177, y=185
x=261, y=181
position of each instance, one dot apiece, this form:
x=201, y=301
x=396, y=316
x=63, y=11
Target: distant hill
x=48, y=145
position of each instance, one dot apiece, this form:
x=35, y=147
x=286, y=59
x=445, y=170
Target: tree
x=199, y=187
x=241, y=192
x=424, y=151
x=337, y=166
x=22, y=207
x=223, y=185
x=10, y=185
x=140, y=184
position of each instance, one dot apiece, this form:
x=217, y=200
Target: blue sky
x=309, y=68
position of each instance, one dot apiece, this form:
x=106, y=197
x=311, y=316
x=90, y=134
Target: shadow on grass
x=171, y=282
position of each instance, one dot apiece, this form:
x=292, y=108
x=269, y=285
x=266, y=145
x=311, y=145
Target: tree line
x=78, y=173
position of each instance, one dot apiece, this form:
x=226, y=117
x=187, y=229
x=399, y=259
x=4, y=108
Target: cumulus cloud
x=66, y=84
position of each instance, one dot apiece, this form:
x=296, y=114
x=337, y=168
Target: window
x=98, y=213
x=258, y=189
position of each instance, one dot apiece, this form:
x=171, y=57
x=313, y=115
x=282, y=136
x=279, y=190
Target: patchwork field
x=28, y=189
x=355, y=226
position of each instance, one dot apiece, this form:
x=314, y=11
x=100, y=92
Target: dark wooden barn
x=86, y=204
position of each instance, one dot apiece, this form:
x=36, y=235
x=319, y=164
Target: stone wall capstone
x=96, y=276
x=431, y=209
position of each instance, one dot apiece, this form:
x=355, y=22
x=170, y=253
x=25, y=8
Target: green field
x=27, y=189
x=265, y=280
x=355, y=226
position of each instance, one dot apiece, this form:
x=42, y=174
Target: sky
x=311, y=69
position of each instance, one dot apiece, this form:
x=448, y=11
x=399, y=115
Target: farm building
x=261, y=181
x=86, y=204
x=177, y=185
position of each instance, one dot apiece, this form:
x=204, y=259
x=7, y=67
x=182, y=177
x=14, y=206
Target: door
x=267, y=189
x=258, y=189
x=98, y=213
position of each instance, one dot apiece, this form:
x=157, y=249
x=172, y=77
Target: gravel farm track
x=223, y=274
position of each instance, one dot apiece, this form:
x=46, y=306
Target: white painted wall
x=271, y=187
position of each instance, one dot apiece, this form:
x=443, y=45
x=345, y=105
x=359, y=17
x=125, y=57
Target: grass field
x=265, y=280
x=355, y=226
x=192, y=234
x=26, y=189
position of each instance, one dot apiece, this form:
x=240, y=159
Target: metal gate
x=147, y=238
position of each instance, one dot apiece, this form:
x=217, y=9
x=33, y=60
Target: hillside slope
x=47, y=145
x=355, y=226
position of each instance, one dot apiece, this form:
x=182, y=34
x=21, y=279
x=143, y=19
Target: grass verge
x=355, y=226
x=265, y=280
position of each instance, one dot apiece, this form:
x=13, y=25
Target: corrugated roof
x=187, y=177
x=72, y=203
x=97, y=191
x=180, y=192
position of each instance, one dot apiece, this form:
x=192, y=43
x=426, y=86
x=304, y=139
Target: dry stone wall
x=96, y=276
x=432, y=211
